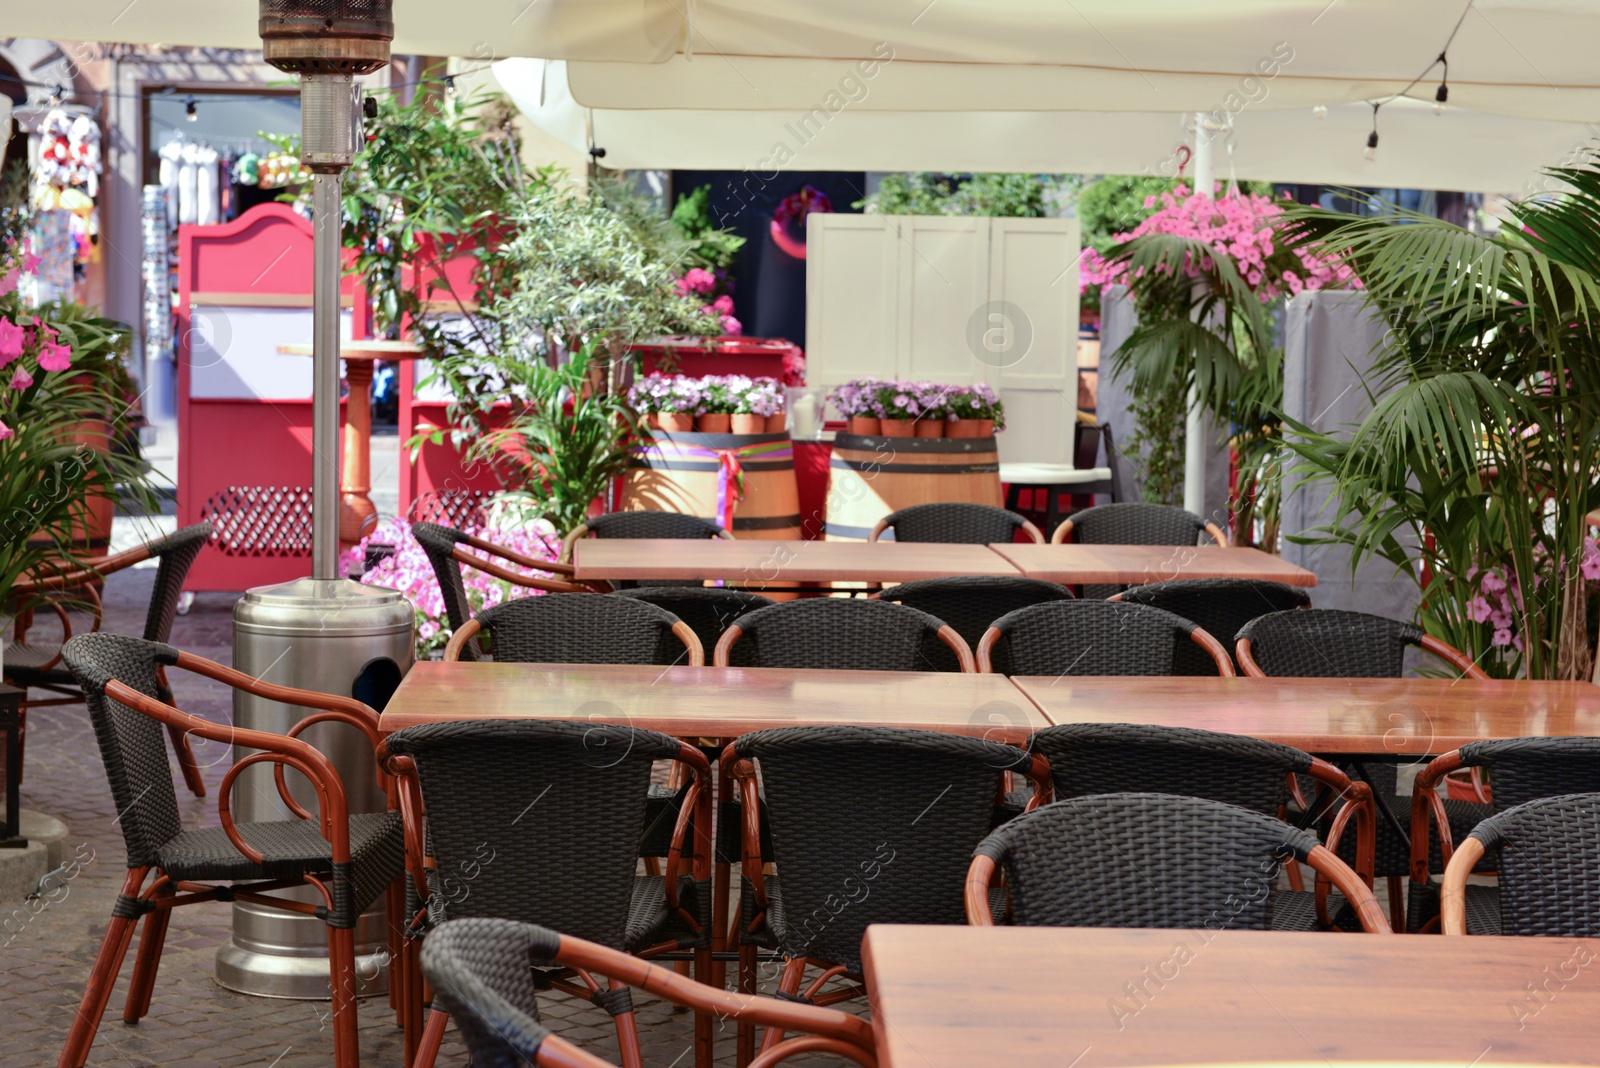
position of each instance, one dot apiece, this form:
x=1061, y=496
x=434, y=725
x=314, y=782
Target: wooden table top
x=1024, y=997
x=1140, y=564
x=690, y=702
x=1393, y=717
x=766, y=562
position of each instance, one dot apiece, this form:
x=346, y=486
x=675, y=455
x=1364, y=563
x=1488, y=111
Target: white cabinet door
x=1033, y=357
x=944, y=282
x=852, y=298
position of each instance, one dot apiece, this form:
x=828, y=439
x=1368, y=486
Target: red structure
x=244, y=410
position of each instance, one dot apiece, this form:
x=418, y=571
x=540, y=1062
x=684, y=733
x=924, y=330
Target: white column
x=1194, y=443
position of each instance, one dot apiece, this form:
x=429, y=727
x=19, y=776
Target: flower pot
x=897, y=428
x=749, y=423
x=930, y=428
x=777, y=423
x=713, y=422
x=969, y=428
x=676, y=422
x=652, y=420
x=863, y=424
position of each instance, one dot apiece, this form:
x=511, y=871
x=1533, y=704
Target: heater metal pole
x=1194, y=429
x=325, y=377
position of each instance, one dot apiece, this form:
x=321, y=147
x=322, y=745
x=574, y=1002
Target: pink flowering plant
x=764, y=397
x=656, y=393
x=408, y=570
x=857, y=398
x=64, y=399
x=977, y=401
x=710, y=394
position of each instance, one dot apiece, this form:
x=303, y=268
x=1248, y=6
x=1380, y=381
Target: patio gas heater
x=323, y=633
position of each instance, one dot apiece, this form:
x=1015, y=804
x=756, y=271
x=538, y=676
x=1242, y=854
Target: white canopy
x=1417, y=149
x=1510, y=57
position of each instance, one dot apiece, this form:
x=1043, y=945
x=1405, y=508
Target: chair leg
x=1291, y=868
x=342, y=982
x=704, y=1026
x=1397, y=903
x=413, y=1003
x=745, y=1050
x=103, y=976
x=186, y=761
x=794, y=973
x=432, y=1037
x=393, y=908
x=143, y=980
x=628, y=1035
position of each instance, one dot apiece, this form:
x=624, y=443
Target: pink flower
x=697, y=280
x=723, y=305
x=21, y=380
x=1501, y=637
x=5, y=432
x=732, y=326
x=54, y=357
x=10, y=341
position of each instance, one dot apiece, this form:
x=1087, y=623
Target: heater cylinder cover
x=327, y=36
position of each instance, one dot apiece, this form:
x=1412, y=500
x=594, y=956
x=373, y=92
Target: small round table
x=357, y=514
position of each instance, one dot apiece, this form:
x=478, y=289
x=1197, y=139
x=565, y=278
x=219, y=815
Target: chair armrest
x=516, y=578
x=696, y=810
x=358, y=712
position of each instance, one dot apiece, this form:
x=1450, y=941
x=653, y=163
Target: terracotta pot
x=713, y=423
x=749, y=423
x=897, y=428
x=969, y=428
x=652, y=420
x=930, y=428
x=777, y=423
x=676, y=422
x=863, y=424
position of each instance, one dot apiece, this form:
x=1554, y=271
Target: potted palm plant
x=1476, y=471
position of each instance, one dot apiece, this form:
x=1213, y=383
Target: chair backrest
x=1221, y=606
x=1549, y=867
x=1329, y=643
x=438, y=542
x=177, y=552
x=839, y=633
x=582, y=628
x=1144, y=860
x=480, y=970
x=971, y=603
x=708, y=610
x=882, y=818
x=952, y=522
x=650, y=524
x=133, y=746
x=1526, y=769
x=1108, y=758
x=1137, y=524
x=536, y=820
x=1092, y=638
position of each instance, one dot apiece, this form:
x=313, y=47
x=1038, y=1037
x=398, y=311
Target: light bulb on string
x=1440, y=98
x=191, y=110
x=1372, y=138
x=1320, y=111
x=57, y=92
x=450, y=83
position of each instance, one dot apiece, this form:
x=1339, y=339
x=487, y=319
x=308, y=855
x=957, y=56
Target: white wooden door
x=1033, y=313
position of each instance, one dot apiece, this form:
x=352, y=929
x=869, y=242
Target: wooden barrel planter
x=870, y=476
x=700, y=474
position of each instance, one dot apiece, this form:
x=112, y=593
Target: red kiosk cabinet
x=244, y=409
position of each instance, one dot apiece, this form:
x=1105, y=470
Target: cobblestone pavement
x=193, y=1022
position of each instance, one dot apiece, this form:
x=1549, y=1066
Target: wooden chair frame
x=1059, y=535
x=695, y=811
x=946, y=634
x=156, y=900
x=742, y=772
x=1429, y=644
x=1200, y=636
x=582, y=531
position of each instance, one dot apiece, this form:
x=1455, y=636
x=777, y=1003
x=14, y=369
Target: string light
x=450, y=83
x=191, y=110
x=1320, y=111
x=1440, y=96
x=57, y=92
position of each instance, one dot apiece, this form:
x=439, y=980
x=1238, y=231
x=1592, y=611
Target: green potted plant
x=974, y=412
x=1475, y=471
x=857, y=401
x=715, y=415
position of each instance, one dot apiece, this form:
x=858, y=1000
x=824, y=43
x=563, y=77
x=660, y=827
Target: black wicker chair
x=487, y=974
x=1134, y=524
x=1221, y=606
x=952, y=522
x=881, y=819
x=34, y=665
x=352, y=858
x=708, y=610
x=840, y=634
x=1093, y=638
x=1549, y=868
x=1333, y=643
x=1150, y=860
x=971, y=603
x=643, y=524
x=1521, y=770
x=580, y=629
x=554, y=841
x=448, y=549
x=1108, y=758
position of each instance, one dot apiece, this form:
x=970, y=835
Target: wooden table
x=694, y=702
x=953, y=997
x=357, y=514
x=1389, y=717
x=760, y=563
x=1073, y=565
